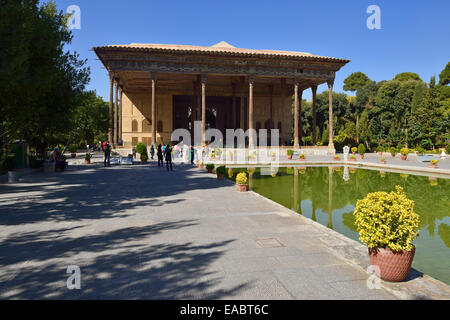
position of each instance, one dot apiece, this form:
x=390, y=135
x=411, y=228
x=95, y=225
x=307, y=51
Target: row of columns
x=115, y=113
x=115, y=118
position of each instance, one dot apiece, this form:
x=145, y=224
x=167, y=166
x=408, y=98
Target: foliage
x=447, y=149
x=405, y=76
x=387, y=220
x=241, y=178
x=141, y=148
x=355, y=81
x=290, y=152
x=40, y=81
x=361, y=149
x=383, y=159
x=144, y=157
x=354, y=149
x=393, y=151
x=434, y=161
x=404, y=151
x=221, y=170
x=210, y=166
x=337, y=157
x=88, y=156
x=302, y=156
x=444, y=76
x=73, y=148
x=352, y=156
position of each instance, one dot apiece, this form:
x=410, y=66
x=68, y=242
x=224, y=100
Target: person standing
x=134, y=152
x=168, y=156
x=152, y=151
x=107, y=151
x=159, y=154
x=192, y=154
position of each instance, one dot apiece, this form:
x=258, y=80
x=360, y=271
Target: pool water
x=328, y=196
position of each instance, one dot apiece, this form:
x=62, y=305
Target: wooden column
x=296, y=144
x=154, y=119
x=300, y=122
x=233, y=106
x=120, y=113
x=330, y=114
x=203, y=83
x=251, y=82
x=283, y=105
x=111, y=101
x=271, y=106
x=116, y=113
x=314, y=124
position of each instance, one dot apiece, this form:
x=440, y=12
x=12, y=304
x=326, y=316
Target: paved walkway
x=139, y=232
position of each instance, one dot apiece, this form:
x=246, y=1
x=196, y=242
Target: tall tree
x=355, y=81
x=405, y=76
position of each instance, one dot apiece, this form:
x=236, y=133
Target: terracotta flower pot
x=404, y=157
x=302, y=159
x=380, y=153
x=352, y=159
x=241, y=187
x=383, y=162
x=274, y=158
x=210, y=170
x=201, y=166
x=73, y=155
x=394, y=266
x=290, y=156
x=220, y=176
x=432, y=165
x=87, y=161
x=361, y=156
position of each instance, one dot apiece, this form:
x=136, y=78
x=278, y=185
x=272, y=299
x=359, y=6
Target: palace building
x=155, y=89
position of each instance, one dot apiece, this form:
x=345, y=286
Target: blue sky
x=414, y=35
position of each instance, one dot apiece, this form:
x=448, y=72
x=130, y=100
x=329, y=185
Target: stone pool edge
x=420, y=287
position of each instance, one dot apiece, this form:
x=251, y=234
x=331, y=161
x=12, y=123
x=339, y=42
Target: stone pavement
x=140, y=232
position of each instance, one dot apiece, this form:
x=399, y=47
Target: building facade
x=155, y=89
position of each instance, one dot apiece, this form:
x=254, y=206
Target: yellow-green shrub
x=241, y=178
x=387, y=220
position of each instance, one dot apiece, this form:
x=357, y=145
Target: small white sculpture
x=346, y=151
x=443, y=155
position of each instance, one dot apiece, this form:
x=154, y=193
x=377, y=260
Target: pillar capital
x=251, y=80
x=153, y=75
x=330, y=83
x=203, y=78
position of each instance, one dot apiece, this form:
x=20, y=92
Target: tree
x=355, y=81
x=405, y=76
x=39, y=80
x=444, y=76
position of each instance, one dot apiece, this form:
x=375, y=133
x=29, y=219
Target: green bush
x=210, y=166
x=355, y=149
x=361, y=149
x=447, y=149
x=290, y=152
x=393, y=151
x=141, y=148
x=88, y=156
x=8, y=165
x=73, y=148
x=144, y=157
x=221, y=170
x=420, y=150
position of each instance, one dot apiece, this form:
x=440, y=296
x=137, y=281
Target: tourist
x=159, y=154
x=107, y=151
x=152, y=151
x=60, y=163
x=192, y=154
x=134, y=152
x=168, y=156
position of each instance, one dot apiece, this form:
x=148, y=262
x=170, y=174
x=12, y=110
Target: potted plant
x=361, y=151
x=221, y=172
x=393, y=151
x=354, y=150
x=302, y=157
x=337, y=158
x=201, y=165
x=241, y=181
x=433, y=163
x=290, y=153
x=210, y=167
x=144, y=158
x=87, y=158
x=230, y=155
x=387, y=224
x=380, y=150
x=73, y=150
x=352, y=157
x=383, y=160
x=273, y=155
x=404, y=152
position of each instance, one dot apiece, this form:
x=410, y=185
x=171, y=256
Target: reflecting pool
x=328, y=195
